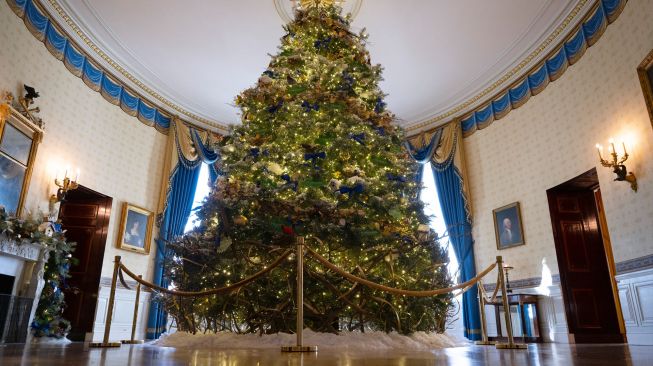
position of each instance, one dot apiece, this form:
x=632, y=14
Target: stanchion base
x=104, y=345
x=129, y=341
x=485, y=343
x=299, y=349
x=511, y=346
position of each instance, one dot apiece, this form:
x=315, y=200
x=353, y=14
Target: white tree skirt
x=368, y=341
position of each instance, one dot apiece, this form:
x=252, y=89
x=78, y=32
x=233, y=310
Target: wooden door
x=584, y=275
x=85, y=217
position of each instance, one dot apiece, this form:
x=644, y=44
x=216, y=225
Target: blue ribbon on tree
x=358, y=137
x=380, y=105
x=314, y=156
x=289, y=182
x=396, y=178
x=353, y=190
x=380, y=130
x=269, y=73
x=308, y=106
x=254, y=152
x=322, y=43
x=276, y=107
x=347, y=81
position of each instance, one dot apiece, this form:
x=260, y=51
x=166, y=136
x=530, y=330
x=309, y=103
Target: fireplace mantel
x=25, y=261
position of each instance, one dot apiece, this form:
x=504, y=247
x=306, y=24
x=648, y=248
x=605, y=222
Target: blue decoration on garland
x=396, y=178
x=254, y=152
x=380, y=130
x=275, y=108
x=347, y=81
x=322, y=43
x=380, y=105
x=309, y=107
x=353, y=190
x=314, y=156
x=358, y=137
x=289, y=182
x=269, y=73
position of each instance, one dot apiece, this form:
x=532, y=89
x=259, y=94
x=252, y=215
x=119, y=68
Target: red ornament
x=287, y=230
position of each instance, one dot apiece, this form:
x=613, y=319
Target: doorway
x=85, y=217
x=585, y=261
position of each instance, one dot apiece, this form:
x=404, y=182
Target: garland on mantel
x=48, y=320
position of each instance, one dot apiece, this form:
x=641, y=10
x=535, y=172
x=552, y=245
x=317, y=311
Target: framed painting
x=508, y=227
x=19, y=140
x=135, y=229
x=645, y=73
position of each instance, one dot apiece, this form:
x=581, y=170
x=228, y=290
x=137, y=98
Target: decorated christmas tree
x=316, y=156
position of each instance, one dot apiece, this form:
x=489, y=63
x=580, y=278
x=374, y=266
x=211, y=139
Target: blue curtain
x=448, y=184
x=179, y=203
x=189, y=151
x=440, y=148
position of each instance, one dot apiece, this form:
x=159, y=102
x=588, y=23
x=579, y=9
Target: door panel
x=584, y=275
x=85, y=217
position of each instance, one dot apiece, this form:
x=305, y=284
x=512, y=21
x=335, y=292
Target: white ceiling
x=200, y=54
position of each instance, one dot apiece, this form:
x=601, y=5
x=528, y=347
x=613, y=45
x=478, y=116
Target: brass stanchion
x=300, y=303
x=506, y=309
x=134, y=322
x=112, y=295
x=481, y=304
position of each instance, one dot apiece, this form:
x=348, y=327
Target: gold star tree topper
x=318, y=3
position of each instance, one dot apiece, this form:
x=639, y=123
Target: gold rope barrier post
x=481, y=304
x=112, y=296
x=506, y=309
x=300, y=303
x=134, y=322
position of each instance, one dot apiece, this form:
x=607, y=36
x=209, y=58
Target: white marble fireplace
x=21, y=282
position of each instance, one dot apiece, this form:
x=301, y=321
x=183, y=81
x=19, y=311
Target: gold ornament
x=240, y=220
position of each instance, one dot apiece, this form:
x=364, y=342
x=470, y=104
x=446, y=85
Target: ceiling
x=200, y=54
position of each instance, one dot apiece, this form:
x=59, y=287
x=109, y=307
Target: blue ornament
x=314, y=156
x=254, y=152
x=289, y=182
x=396, y=178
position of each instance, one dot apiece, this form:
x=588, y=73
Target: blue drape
x=179, y=203
x=180, y=194
x=448, y=184
x=448, y=180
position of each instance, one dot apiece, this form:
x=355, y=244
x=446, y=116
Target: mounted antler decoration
x=617, y=164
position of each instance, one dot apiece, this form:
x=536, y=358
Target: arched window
x=201, y=191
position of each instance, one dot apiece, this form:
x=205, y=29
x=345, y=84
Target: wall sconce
x=65, y=185
x=617, y=164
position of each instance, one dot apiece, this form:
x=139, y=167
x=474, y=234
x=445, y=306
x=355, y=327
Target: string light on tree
x=317, y=156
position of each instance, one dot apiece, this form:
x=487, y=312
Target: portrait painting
x=645, y=73
x=135, y=229
x=508, y=226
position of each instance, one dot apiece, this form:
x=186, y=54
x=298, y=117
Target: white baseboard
x=636, y=297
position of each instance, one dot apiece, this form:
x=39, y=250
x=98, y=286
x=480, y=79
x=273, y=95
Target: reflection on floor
x=78, y=354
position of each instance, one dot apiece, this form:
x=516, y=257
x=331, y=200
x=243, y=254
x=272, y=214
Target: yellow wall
x=118, y=155
x=551, y=139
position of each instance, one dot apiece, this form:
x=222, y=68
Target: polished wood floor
x=78, y=354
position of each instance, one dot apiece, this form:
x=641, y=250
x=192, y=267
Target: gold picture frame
x=19, y=126
x=136, y=226
x=645, y=73
x=508, y=226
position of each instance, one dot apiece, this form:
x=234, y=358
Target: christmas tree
x=316, y=156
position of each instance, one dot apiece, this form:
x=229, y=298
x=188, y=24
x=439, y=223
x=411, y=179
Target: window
x=429, y=197
x=201, y=191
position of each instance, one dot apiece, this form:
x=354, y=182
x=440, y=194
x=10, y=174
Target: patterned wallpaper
x=551, y=140
x=118, y=155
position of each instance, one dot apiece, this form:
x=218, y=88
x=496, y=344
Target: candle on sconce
x=77, y=176
x=599, y=149
x=624, y=146
x=613, y=150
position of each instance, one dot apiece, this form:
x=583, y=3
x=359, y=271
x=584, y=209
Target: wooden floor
x=78, y=354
